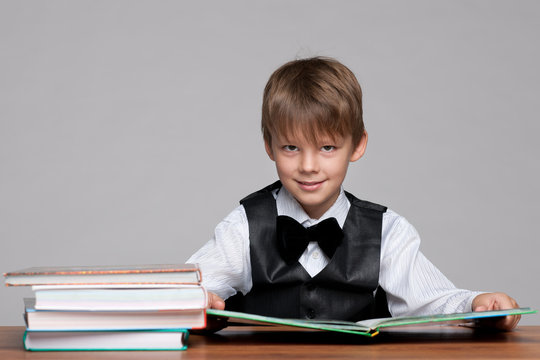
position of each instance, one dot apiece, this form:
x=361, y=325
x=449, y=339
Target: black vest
x=344, y=290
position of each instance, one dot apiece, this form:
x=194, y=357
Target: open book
x=370, y=327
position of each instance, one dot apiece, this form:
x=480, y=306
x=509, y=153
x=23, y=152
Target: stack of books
x=149, y=307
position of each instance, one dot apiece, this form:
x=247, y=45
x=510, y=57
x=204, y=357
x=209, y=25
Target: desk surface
x=245, y=343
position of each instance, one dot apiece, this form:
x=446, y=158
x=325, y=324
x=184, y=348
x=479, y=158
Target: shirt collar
x=287, y=205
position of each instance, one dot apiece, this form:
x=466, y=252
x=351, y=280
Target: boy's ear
x=269, y=150
x=360, y=148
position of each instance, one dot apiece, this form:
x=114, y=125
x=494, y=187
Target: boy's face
x=313, y=172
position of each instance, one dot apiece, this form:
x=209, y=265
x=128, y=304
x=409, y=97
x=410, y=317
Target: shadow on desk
x=413, y=334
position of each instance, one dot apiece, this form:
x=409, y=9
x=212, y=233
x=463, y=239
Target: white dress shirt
x=413, y=285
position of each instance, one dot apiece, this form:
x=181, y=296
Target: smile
x=310, y=185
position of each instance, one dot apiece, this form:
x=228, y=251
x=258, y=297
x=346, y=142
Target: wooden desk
x=234, y=343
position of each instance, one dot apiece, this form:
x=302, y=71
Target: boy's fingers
x=507, y=323
x=481, y=308
x=497, y=301
x=213, y=323
x=215, y=302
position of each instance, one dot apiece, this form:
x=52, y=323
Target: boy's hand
x=215, y=302
x=497, y=301
x=213, y=324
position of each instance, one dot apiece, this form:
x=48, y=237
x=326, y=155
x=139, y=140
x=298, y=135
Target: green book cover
x=129, y=340
x=368, y=327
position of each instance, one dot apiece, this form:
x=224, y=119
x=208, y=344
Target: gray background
x=129, y=129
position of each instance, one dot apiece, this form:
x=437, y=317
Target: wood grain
x=271, y=343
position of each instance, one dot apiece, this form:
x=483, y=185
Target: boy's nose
x=309, y=163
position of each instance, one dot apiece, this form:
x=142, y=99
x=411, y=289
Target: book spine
x=183, y=342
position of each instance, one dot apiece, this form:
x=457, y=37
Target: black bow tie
x=293, y=238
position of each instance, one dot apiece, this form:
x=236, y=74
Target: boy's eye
x=290, y=148
x=327, y=148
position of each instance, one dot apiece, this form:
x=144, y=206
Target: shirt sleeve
x=413, y=285
x=224, y=260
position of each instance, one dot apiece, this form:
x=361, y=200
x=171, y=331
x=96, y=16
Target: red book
x=101, y=275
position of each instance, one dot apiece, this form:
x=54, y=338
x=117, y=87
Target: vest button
x=310, y=314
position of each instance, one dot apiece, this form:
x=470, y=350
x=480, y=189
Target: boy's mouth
x=310, y=185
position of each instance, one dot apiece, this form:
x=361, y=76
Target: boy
x=303, y=247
